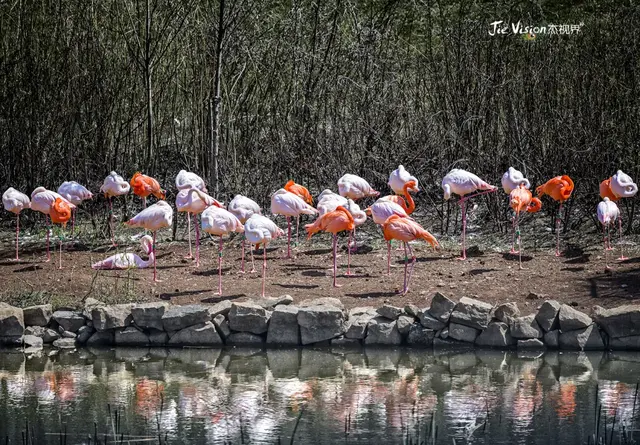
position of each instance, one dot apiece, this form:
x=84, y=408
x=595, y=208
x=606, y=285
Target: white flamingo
x=244, y=208
x=184, y=181
x=75, y=194
x=41, y=201
x=259, y=229
x=194, y=201
x=616, y=187
x=288, y=204
x=608, y=212
x=398, y=178
x=114, y=185
x=15, y=202
x=355, y=187
x=380, y=211
x=129, y=260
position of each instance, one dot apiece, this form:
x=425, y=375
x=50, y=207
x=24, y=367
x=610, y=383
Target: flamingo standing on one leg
x=129, y=260
x=113, y=185
x=355, y=187
x=194, y=201
x=406, y=230
x=521, y=199
x=618, y=186
x=15, y=202
x=380, y=211
x=398, y=178
x=559, y=189
x=60, y=213
x=75, y=194
x=144, y=186
x=289, y=204
x=41, y=201
x=184, y=181
x=608, y=212
x=462, y=182
x=244, y=208
x=359, y=218
x=153, y=218
x=303, y=193
x=261, y=230
x=218, y=221
x=511, y=180
x=333, y=222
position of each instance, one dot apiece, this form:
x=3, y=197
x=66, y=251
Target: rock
x=319, y=323
x=324, y=301
x=496, y=335
x=581, y=339
x=443, y=333
x=222, y=325
x=176, y=318
x=357, y=326
x=248, y=317
x=547, y=316
x=269, y=303
x=89, y=305
x=526, y=327
x=382, y=331
x=101, y=338
x=365, y=310
x=84, y=334
x=149, y=315
x=65, y=343
x=390, y=312
x=203, y=334
x=47, y=335
x=221, y=308
x=551, y=339
x=130, y=336
x=470, y=312
x=623, y=321
x=283, y=326
x=430, y=322
x=507, y=312
x=533, y=296
x=67, y=334
x=346, y=342
x=11, y=320
x=530, y=343
x=463, y=333
x=32, y=341
x=244, y=338
x=158, y=338
x=413, y=310
x=110, y=317
x=404, y=323
x=420, y=336
x=571, y=319
x=441, y=307
x=630, y=343
x=37, y=315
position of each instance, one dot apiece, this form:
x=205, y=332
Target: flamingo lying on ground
x=608, y=212
x=333, y=222
x=153, y=218
x=60, y=213
x=616, y=187
x=194, y=201
x=244, y=208
x=41, y=201
x=521, y=199
x=129, y=260
x=462, y=182
x=354, y=187
x=75, y=194
x=380, y=211
x=15, y=202
x=302, y=192
x=144, y=186
x=184, y=181
x=113, y=185
x=289, y=204
x=511, y=180
x=406, y=230
x=218, y=221
x=398, y=178
x=261, y=230
x=559, y=189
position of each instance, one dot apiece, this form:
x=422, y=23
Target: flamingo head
x=447, y=191
x=411, y=186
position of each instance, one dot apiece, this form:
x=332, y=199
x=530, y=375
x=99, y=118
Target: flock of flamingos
x=338, y=212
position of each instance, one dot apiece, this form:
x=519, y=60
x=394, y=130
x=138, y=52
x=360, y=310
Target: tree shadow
x=573, y=269
x=473, y=272
x=30, y=268
x=217, y=299
x=372, y=294
x=209, y=273
x=14, y=263
x=508, y=256
x=297, y=286
x=581, y=259
x=318, y=252
x=574, y=251
x=623, y=284
x=170, y=295
x=313, y=273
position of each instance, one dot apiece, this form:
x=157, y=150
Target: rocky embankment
x=277, y=322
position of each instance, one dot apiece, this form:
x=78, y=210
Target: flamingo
x=328, y=201
x=559, y=189
x=462, y=182
x=15, y=202
x=194, y=201
x=607, y=214
x=41, y=201
x=333, y=222
x=511, y=180
x=380, y=211
x=184, y=181
x=359, y=218
x=302, y=192
x=406, y=230
x=354, y=187
x=618, y=186
x=398, y=178
x=289, y=204
x=144, y=186
x=129, y=260
x=404, y=199
x=261, y=230
x=218, y=221
x=60, y=213
x=521, y=199
x=75, y=194
x=153, y=218
x=244, y=208
x=113, y=185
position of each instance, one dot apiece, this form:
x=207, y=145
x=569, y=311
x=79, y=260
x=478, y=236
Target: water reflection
x=197, y=396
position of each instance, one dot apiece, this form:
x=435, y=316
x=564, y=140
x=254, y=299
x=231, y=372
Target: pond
x=317, y=396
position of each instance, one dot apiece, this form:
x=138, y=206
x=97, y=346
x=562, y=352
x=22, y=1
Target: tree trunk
x=148, y=86
x=214, y=109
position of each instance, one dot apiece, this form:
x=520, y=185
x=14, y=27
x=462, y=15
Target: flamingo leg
x=558, y=230
x=349, y=256
x=335, y=266
x=264, y=265
x=220, y=267
x=48, y=253
x=17, y=235
x=253, y=265
x=406, y=261
x=73, y=221
x=242, y=263
x=606, y=253
x=464, y=228
x=355, y=242
x=60, y=251
x=113, y=240
x=517, y=233
x=144, y=202
x=288, y=239
x=153, y=249
x=388, y=257
x=195, y=222
x=297, y=231
x=189, y=235
x=513, y=235
x=622, y=257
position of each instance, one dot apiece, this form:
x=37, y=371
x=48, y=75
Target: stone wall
x=277, y=322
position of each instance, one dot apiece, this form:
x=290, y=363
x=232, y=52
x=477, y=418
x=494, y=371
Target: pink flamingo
x=261, y=230
x=608, y=212
x=511, y=180
x=114, y=185
x=15, y=202
x=41, y=201
x=330, y=201
x=288, y=204
x=380, y=211
x=398, y=178
x=618, y=186
x=75, y=194
x=129, y=260
x=184, y=181
x=244, y=208
x=355, y=187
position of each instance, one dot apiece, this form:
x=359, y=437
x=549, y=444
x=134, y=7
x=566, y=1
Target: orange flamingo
x=405, y=230
x=60, y=213
x=559, y=189
x=144, y=186
x=303, y=193
x=406, y=201
x=336, y=221
x=521, y=199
